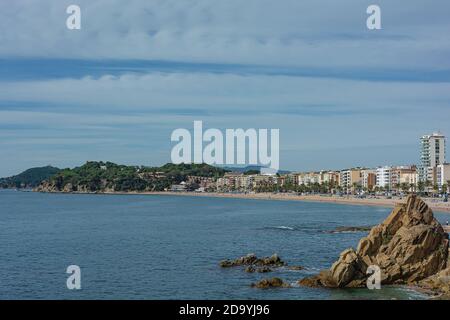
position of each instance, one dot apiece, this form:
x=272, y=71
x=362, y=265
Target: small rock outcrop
x=270, y=283
x=252, y=260
x=252, y=269
x=409, y=246
x=351, y=229
x=438, y=283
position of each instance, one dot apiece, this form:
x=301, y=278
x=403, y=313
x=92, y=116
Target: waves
x=284, y=228
x=319, y=229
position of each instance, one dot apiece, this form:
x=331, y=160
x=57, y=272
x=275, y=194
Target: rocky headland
x=410, y=247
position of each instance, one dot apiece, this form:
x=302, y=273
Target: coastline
x=387, y=203
x=378, y=202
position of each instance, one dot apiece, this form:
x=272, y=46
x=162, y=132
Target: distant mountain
x=251, y=169
x=30, y=178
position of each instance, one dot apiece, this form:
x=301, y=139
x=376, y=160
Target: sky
x=340, y=94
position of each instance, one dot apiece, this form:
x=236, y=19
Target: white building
x=384, y=177
x=443, y=174
x=308, y=178
x=432, y=154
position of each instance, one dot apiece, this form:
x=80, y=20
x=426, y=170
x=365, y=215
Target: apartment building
x=402, y=176
x=432, y=155
x=368, y=179
x=443, y=175
x=330, y=177
x=308, y=178
x=384, y=177
x=349, y=178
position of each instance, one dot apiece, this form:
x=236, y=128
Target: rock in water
x=270, y=283
x=438, y=283
x=252, y=260
x=410, y=245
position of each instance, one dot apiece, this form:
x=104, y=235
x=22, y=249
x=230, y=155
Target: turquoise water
x=168, y=247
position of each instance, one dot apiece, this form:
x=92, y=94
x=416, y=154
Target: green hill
x=107, y=176
x=29, y=178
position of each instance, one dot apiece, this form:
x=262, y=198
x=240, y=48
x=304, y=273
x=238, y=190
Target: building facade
x=368, y=179
x=432, y=155
x=443, y=175
x=348, y=179
x=384, y=177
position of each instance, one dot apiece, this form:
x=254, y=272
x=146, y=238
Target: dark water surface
x=168, y=247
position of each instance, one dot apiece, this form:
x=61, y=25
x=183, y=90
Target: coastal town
x=431, y=176
x=380, y=186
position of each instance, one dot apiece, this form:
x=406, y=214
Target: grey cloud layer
x=225, y=92
x=285, y=32
x=325, y=122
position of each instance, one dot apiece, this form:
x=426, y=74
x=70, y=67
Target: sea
x=169, y=247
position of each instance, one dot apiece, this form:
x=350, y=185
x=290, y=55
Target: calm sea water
x=166, y=247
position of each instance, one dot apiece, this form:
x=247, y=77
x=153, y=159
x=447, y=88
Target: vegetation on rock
x=29, y=178
x=110, y=177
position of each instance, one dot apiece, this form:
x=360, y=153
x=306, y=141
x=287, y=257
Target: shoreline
x=440, y=206
x=387, y=203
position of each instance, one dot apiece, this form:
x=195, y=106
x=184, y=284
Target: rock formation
x=270, y=283
x=252, y=260
x=351, y=229
x=409, y=246
x=438, y=283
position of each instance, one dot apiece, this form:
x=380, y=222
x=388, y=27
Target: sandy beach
x=435, y=204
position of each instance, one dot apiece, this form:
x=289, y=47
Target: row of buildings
x=433, y=174
x=353, y=180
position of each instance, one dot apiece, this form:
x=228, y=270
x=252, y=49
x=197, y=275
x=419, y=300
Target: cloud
x=340, y=94
x=267, y=32
x=194, y=93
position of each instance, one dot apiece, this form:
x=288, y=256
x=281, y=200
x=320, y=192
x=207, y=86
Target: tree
x=421, y=186
x=436, y=188
x=444, y=188
x=405, y=187
x=428, y=184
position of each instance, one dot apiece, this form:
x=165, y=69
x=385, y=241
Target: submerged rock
x=263, y=270
x=410, y=245
x=252, y=260
x=270, y=283
x=351, y=229
x=296, y=268
x=250, y=269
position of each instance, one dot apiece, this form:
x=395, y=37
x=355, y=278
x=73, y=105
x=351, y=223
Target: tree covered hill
x=107, y=176
x=29, y=178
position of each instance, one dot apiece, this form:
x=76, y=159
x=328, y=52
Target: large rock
x=410, y=245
